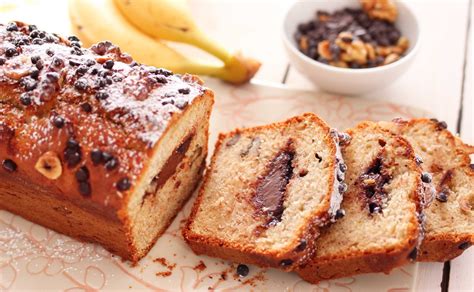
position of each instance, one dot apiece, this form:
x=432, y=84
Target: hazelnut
x=49, y=165
x=380, y=9
x=370, y=51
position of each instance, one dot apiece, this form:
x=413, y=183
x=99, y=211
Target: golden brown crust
x=214, y=246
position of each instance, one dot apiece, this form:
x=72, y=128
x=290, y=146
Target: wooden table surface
x=440, y=79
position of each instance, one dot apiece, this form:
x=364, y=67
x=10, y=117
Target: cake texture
x=450, y=213
x=93, y=144
x=267, y=192
x=382, y=226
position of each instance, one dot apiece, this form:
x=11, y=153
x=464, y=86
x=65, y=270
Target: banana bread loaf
x=382, y=206
x=267, y=192
x=450, y=215
x=94, y=145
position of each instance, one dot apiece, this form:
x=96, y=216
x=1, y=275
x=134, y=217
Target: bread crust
x=216, y=247
x=383, y=259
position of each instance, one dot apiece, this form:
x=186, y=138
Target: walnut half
x=49, y=165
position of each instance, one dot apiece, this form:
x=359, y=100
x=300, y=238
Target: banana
x=171, y=20
x=97, y=20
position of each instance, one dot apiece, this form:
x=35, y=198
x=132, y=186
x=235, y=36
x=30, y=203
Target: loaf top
x=82, y=108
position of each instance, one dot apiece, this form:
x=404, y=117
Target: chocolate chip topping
x=301, y=246
x=9, y=165
x=271, y=187
x=373, y=182
x=124, y=184
x=85, y=188
x=286, y=263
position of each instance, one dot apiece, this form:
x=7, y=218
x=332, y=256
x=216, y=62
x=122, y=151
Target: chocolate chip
x=72, y=144
x=465, y=245
x=76, y=51
x=101, y=95
x=81, y=70
x=109, y=64
x=86, y=107
x=90, y=62
x=32, y=27
x=373, y=207
x=12, y=27
x=75, y=44
x=10, y=52
x=340, y=176
x=342, y=188
x=418, y=159
x=242, y=270
x=73, y=38
x=342, y=167
x=39, y=64
x=106, y=157
x=28, y=83
x=339, y=214
x=442, y=197
x=184, y=90
x=49, y=52
x=74, y=63
x=471, y=166
x=426, y=177
x=58, y=62
x=81, y=84
x=85, y=188
x=25, y=99
x=35, y=59
x=9, y=165
x=52, y=76
x=2, y=61
x=413, y=254
x=34, y=73
x=161, y=79
x=58, y=122
x=82, y=174
x=319, y=158
x=164, y=72
x=286, y=263
x=443, y=125
x=181, y=104
x=96, y=156
x=123, y=184
x=111, y=164
x=72, y=157
x=302, y=246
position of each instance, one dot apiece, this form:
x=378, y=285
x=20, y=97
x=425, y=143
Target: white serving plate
x=35, y=258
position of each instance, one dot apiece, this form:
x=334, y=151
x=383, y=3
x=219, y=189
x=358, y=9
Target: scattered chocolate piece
x=12, y=27
x=102, y=95
x=109, y=64
x=86, y=107
x=2, y=61
x=413, y=254
x=426, y=177
x=123, y=184
x=25, y=99
x=242, y=270
x=342, y=188
x=342, y=167
x=9, y=165
x=111, y=164
x=184, y=90
x=80, y=84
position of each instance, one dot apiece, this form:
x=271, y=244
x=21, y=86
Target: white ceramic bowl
x=344, y=80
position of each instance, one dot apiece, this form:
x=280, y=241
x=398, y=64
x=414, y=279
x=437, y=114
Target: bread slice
x=450, y=216
x=93, y=144
x=381, y=226
x=267, y=192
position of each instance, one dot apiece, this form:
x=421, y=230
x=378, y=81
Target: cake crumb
x=200, y=267
x=169, y=266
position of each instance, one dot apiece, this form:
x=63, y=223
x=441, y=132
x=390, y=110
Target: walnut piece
x=324, y=50
x=353, y=50
x=380, y=9
x=49, y=165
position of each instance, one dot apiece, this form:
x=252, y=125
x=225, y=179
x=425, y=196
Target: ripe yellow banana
x=97, y=20
x=171, y=20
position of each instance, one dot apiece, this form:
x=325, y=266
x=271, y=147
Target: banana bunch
x=142, y=28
